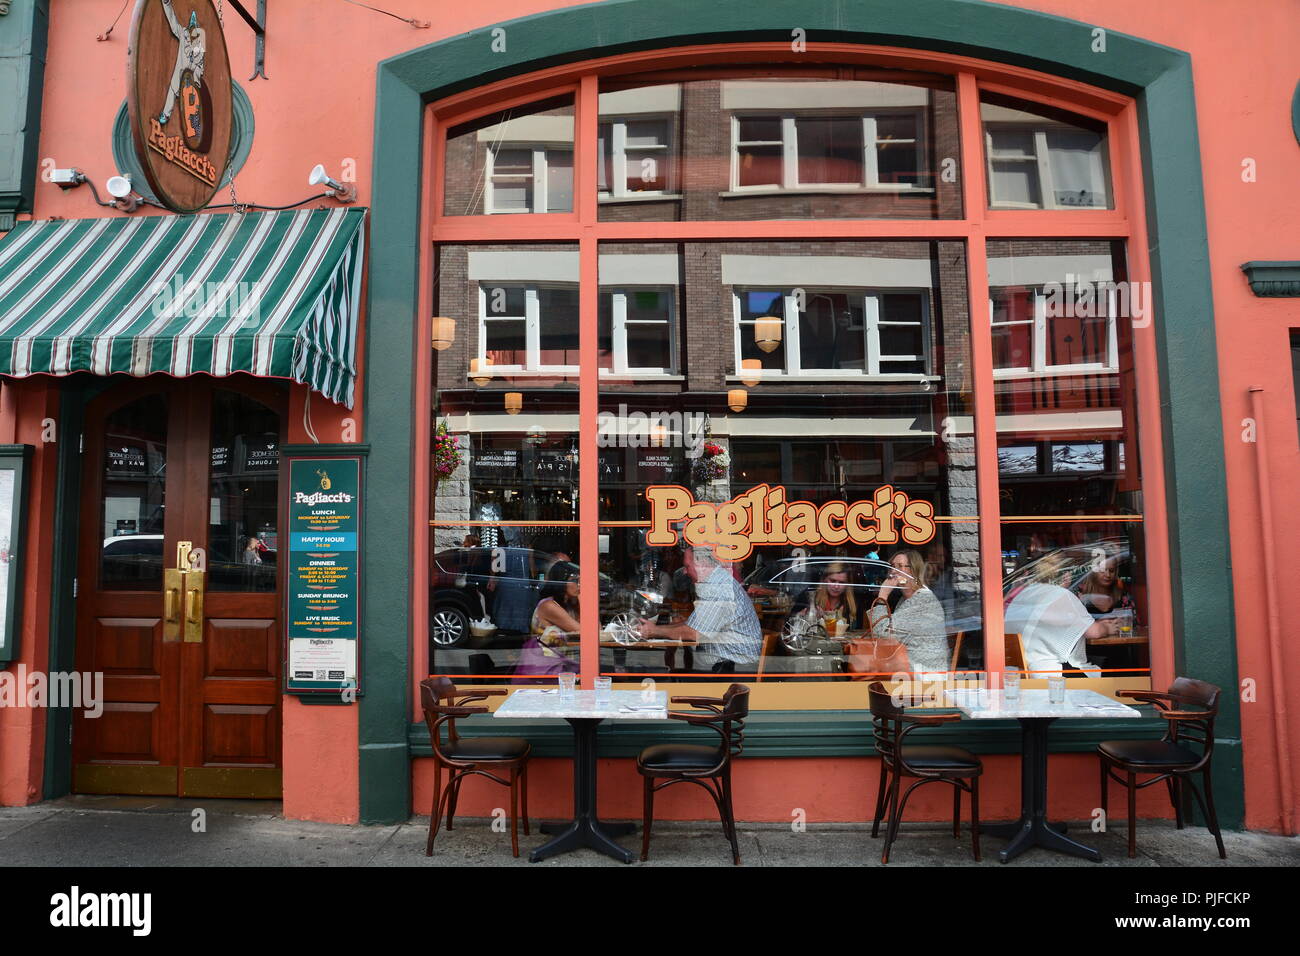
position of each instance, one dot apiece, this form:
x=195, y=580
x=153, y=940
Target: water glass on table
x=1011, y=685
x=604, y=689
x=1056, y=689
x=568, y=686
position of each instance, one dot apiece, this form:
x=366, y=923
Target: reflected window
x=1040, y=158
x=832, y=331
x=516, y=161
x=804, y=151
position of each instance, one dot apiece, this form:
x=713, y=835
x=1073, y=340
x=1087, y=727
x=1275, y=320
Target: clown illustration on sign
x=187, y=82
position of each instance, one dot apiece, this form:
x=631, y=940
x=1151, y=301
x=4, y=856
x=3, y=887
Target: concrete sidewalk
x=149, y=831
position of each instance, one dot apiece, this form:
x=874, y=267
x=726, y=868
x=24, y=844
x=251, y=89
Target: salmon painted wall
x=318, y=106
x=24, y=409
x=772, y=790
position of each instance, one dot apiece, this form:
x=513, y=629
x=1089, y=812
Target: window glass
x=134, y=496
x=1075, y=582
x=778, y=600
x=516, y=161
x=1043, y=158
x=846, y=143
x=503, y=591
x=243, y=496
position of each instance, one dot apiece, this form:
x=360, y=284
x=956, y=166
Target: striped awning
x=270, y=293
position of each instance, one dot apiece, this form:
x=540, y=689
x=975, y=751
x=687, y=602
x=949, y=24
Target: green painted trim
x=1159, y=77
x=1273, y=280
x=57, y=781
x=17, y=459
x=24, y=37
x=333, y=450
x=242, y=126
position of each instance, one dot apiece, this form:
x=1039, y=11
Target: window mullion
x=789, y=153
x=793, y=363
x=871, y=321
x=870, y=156
x=618, y=313
x=532, y=329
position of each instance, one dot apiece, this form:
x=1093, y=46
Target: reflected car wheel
x=448, y=627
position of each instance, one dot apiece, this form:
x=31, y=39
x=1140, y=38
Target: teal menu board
x=323, y=574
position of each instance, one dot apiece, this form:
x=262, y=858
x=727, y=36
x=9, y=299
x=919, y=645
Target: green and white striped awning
x=270, y=293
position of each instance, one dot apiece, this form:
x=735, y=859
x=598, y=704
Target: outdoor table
x=1035, y=713
x=584, y=715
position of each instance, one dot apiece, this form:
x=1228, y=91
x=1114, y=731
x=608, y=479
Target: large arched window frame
x=1123, y=222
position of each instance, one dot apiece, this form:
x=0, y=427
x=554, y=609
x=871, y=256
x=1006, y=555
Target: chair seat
x=486, y=748
x=679, y=757
x=937, y=757
x=1148, y=753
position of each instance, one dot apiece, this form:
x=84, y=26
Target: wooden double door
x=178, y=589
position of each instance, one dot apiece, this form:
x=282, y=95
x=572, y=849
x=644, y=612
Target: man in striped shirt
x=723, y=625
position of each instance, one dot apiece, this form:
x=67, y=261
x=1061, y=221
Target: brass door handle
x=195, y=584
x=173, y=584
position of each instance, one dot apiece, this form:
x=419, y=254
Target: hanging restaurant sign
x=762, y=516
x=179, y=100
x=323, y=575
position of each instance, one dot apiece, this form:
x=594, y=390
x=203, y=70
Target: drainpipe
x=1280, y=737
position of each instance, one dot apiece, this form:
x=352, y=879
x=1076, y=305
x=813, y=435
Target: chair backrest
x=885, y=723
x=1013, y=651
x=769, y=649
x=735, y=708
x=1013, y=648
x=437, y=695
x=1195, y=695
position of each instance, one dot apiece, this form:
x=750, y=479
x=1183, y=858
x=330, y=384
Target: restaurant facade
x=996, y=293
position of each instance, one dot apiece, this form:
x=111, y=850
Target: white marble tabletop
x=541, y=703
x=984, y=704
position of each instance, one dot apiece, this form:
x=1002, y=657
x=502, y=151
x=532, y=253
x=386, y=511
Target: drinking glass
x=1056, y=690
x=1011, y=685
x=568, y=683
x=604, y=689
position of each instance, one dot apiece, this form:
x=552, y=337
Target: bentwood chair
x=467, y=756
x=706, y=765
x=1190, y=707
x=926, y=763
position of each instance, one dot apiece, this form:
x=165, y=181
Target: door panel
x=169, y=461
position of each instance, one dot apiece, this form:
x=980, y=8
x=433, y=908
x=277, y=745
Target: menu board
x=323, y=576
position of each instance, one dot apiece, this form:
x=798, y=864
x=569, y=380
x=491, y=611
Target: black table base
x=1033, y=828
x=585, y=830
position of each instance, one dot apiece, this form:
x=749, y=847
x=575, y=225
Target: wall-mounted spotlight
x=124, y=195
x=344, y=194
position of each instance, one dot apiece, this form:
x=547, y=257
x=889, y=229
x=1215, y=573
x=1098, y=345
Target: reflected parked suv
x=463, y=587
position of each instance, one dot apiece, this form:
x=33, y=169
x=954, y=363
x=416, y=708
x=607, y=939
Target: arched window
x=853, y=346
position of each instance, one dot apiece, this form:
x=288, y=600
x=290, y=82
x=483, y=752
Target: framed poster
x=15, y=461
x=323, y=576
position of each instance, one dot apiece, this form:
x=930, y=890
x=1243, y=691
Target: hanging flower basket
x=712, y=464
x=446, y=453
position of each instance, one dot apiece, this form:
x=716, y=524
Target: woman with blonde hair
x=917, y=619
x=834, y=598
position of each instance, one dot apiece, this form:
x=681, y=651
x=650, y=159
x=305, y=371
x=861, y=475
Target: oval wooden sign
x=179, y=100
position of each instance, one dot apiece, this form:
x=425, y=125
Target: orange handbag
x=879, y=656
